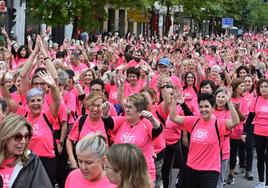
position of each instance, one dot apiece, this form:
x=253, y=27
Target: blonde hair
x=129, y=161
x=92, y=143
x=139, y=101
x=93, y=97
x=11, y=126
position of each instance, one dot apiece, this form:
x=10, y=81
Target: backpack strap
x=195, y=124
x=55, y=133
x=161, y=118
x=81, y=123
x=218, y=135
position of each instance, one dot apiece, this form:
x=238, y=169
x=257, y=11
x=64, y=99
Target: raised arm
x=231, y=123
x=11, y=103
x=172, y=115
x=54, y=107
x=50, y=66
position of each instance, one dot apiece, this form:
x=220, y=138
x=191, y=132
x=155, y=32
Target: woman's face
x=206, y=89
x=95, y=109
x=131, y=111
x=16, y=144
x=248, y=83
x=23, y=52
x=241, y=89
x=9, y=83
x=190, y=79
x=90, y=165
x=88, y=76
x=264, y=89
x=35, y=104
x=113, y=176
x=18, y=82
x=242, y=73
x=221, y=99
x=132, y=79
x=205, y=109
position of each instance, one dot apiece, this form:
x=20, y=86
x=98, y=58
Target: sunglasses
x=19, y=137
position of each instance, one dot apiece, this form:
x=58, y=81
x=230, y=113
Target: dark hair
x=241, y=68
x=98, y=82
x=206, y=82
x=220, y=89
x=70, y=73
x=3, y=105
x=20, y=49
x=61, y=54
x=206, y=97
x=133, y=70
x=235, y=83
x=185, y=81
x=252, y=87
x=262, y=80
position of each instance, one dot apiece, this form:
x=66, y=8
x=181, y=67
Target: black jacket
x=32, y=175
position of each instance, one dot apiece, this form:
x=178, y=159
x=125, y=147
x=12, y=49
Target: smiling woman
x=18, y=166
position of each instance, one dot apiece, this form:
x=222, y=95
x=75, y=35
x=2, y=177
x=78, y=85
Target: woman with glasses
x=90, y=152
x=18, y=166
x=127, y=170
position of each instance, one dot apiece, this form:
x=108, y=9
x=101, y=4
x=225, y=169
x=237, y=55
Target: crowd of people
x=122, y=112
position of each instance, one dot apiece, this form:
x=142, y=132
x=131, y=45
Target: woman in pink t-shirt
x=203, y=163
x=128, y=169
x=88, y=123
x=86, y=77
x=43, y=142
x=221, y=111
x=91, y=157
x=239, y=89
x=138, y=127
x=259, y=111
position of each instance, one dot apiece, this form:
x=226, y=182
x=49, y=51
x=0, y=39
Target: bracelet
x=46, y=58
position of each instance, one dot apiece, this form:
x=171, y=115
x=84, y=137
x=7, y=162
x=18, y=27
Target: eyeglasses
x=19, y=137
x=39, y=84
x=167, y=86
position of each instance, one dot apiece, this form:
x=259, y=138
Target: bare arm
x=231, y=123
x=172, y=115
x=54, y=107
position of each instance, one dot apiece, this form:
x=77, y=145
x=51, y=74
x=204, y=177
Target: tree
x=85, y=14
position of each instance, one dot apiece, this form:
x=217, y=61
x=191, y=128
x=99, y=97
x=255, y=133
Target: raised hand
x=146, y=114
x=178, y=96
x=229, y=94
x=46, y=77
x=105, y=109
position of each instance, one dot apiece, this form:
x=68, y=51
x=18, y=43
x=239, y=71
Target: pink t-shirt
x=204, y=151
x=225, y=140
x=76, y=179
x=6, y=172
x=20, y=99
x=129, y=90
x=113, y=95
x=243, y=107
x=172, y=130
x=42, y=140
x=140, y=135
x=191, y=100
x=260, y=107
x=70, y=101
x=80, y=68
x=88, y=127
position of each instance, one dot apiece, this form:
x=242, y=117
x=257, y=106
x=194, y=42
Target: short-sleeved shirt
x=89, y=126
x=140, y=135
x=76, y=179
x=204, y=151
x=42, y=140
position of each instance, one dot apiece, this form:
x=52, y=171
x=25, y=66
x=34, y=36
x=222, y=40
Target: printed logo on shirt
x=200, y=135
x=127, y=138
x=264, y=109
x=36, y=130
